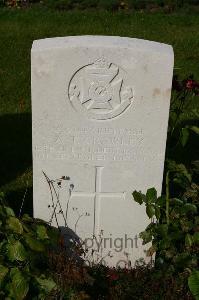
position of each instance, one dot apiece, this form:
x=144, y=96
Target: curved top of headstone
x=101, y=40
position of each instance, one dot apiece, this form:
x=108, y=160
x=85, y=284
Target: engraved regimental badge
x=99, y=91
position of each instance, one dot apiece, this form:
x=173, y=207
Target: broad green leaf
x=152, y=227
x=163, y=230
x=151, y=195
x=193, y=282
x=186, y=225
x=161, y=201
x=27, y=218
x=196, y=238
x=176, y=201
x=138, y=197
x=178, y=169
x=27, y=228
x=19, y=284
x=146, y=236
x=184, y=136
x=195, y=129
x=11, y=238
x=157, y=212
x=41, y=232
x=164, y=244
x=188, y=207
x=196, y=166
x=34, y=244
x=9, y=211
x=14, y=224
x=3, y=271
x=14, y=271
x=194, y=112
x=9, y=291
x=2, y=196
x=188, y=240
x=54, y=235
x=150, y=210
x=46, y=284
x=16, y=251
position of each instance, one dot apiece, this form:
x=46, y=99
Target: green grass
x=18, y=29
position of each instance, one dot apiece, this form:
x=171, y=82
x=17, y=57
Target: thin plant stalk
x=22, y=203
x=58, y=202
x=52, y=199
x=167, y=198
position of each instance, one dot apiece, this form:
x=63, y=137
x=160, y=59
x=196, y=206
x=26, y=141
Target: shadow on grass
x=15, y=146
x=15, y=156
x=14, y=198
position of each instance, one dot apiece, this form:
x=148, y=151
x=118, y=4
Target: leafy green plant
x=194, y=284
x=174, y=229
x=24, y=244
x=183, y=93
x=29, y=249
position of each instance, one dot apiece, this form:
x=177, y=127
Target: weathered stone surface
x=100, y=109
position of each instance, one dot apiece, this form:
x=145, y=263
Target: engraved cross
x=97, y=195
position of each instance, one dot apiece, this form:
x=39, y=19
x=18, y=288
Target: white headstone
x=100, y=109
